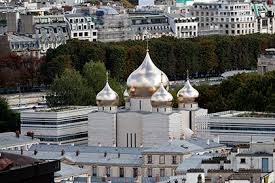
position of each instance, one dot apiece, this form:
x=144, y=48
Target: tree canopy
x=202, y=56
x=9, y=121
x=75, y=88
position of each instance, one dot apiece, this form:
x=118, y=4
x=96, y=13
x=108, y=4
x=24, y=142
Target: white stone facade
x=230, y=128
x=232, y=17
x=63, y=126
x=81, y=27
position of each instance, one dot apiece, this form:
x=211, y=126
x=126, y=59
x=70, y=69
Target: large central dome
x=146, y=79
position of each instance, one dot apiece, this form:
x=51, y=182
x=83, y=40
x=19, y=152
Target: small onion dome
x=107, y=96
x=187, y=94
x=126, y=96
x=161, y=98
x=146, y=79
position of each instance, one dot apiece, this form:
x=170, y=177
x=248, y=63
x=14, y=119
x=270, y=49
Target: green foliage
x=251, y=92
x=202, y=56
x=73, y=88
x=9, y=121
x=70, y=89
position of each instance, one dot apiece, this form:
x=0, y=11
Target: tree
x=70, y=89
x=95, y=75
x=9, y=121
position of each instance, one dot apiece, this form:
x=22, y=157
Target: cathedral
x=147, y=119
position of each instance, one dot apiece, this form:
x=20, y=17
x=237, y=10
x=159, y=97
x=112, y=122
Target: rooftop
x=242, y=114
x=9, y=139
x=15, y=38
x=184, y=146
x=87, y=149
x=64, y=109
x=67, y=171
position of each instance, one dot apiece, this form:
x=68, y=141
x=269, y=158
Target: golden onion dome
x=107, y=96
x=161, y=98
x=146, y=79
x=187, y=94
x=126, y=96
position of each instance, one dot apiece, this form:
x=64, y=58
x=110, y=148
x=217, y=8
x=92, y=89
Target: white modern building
x=81, y=27
x=183, y=27
x=230, y=17
x=57, y=125
x=148, y=118
x=266, y=61
x=233, y=127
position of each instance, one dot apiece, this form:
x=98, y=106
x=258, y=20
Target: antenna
x=187, y=74
x=161, y=80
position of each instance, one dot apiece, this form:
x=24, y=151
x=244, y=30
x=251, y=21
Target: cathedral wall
x=129, y=124
x=155, y=129
x=175, y=125
x=101, y=128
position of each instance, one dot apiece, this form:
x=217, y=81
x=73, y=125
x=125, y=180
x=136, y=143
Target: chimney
x=105, y=154
x=157, y=178
x=88, y=179
x=35, y=152
x=32, y=134
x=21, y=151
x=77, y=152
x=99, y=144
x=208, y=142
x=62, y=152
x=17, y=133
x=118, y=155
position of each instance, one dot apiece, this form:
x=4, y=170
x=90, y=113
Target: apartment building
x=266, y=61
x=183, y=26
x=81, y=27
x=264, y=18
x=231, y=17
x=153, y=26
x=49, y=30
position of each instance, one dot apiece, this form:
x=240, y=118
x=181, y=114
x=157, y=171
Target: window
x=161, y=159
x=135, y=172
x=80, y=34
x=94, y=33
x=149, y=159
x=86, y=34
x=162, y=172
x=121, y=172
x=174, y=159
x=94, y=171
x=242, y=160
x=149, y=172
x=108, y=171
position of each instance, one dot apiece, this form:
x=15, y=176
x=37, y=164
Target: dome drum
x=159, y=104
x=126, y=96
x=102, y=103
